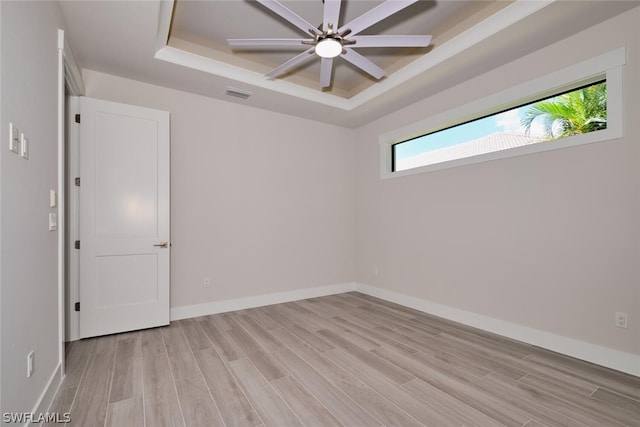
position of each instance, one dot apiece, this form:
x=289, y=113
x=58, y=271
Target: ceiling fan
x=333, y=40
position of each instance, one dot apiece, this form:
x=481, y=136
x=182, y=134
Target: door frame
x=72, y=324
x=69, y=82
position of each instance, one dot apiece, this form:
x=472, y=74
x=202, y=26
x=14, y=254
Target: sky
x=508, y=121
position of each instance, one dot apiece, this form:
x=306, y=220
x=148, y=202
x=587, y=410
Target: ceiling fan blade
x=298, y=59
x=375, y=15
x=391, y=41
x=289, y=15
x=267, y=42
x=363, y=63
x=331, y=14
x=325, y=72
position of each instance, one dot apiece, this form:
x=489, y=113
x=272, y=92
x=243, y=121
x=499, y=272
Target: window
x=575, y=112
x=577, y=105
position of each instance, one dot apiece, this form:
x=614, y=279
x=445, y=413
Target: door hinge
x=77, y=181
x=77, y=306
x=77, y=244
x=77, y=118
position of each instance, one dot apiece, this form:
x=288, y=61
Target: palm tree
x=580, y=111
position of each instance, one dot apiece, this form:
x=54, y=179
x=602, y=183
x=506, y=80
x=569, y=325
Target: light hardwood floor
x=347, y=359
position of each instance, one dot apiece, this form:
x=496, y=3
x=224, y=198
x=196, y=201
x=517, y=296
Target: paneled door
x=124, y=217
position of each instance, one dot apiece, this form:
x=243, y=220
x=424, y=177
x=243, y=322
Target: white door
x=124, y=217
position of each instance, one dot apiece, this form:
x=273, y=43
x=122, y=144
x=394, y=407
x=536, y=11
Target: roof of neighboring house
x=495, y=142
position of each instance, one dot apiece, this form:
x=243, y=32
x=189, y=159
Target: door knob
x=161, y=245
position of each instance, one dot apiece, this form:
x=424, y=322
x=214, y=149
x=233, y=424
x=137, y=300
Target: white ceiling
x=129, y=39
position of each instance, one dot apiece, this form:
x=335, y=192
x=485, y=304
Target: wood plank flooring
x=347, y=359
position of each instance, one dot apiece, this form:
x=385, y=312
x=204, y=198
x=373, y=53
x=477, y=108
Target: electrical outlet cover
x=24, y=147
x=621, y=320
x=14, y=140
x=30, y=361
x=53, y=221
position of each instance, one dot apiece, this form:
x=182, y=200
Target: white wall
x=261, y=202
x=549, y=241
x=28, y=263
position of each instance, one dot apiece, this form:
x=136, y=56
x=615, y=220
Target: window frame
x=606, y=66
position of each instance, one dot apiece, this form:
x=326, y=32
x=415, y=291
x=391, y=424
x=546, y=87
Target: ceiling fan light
x=328, y=48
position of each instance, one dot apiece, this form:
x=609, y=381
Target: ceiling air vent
x=238, y=93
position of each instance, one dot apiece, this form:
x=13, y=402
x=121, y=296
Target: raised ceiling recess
x=331, y=40
x=182, y=44
x=275, y=43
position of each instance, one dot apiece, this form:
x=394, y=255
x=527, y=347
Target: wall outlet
x=621, y=319
x=206, y=283
x=30, y=365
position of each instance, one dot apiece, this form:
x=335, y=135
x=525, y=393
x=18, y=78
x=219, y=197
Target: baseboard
x=46, y=398
x=213, y=307
x=614, y=359
x=604, y=356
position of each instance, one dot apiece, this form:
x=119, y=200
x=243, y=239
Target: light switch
x=24, y=147
x=53, y=221
x=14, y=138
x=53, y=198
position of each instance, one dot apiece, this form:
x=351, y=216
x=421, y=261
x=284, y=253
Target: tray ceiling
x=203, y=28
x=182, y=45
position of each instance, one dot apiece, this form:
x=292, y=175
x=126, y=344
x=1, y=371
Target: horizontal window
x=575, y=112
x=580, y=104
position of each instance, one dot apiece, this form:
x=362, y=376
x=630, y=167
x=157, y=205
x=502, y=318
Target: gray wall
x=549, y=240
x=261, y=202
x=29, y=284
